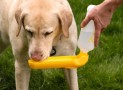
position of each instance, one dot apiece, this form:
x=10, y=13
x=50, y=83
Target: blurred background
x=104, y=70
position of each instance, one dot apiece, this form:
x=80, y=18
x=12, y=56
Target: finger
x=85, y=21
x=97, y=31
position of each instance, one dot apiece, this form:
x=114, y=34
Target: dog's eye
x=47, y=33
x=30, y=33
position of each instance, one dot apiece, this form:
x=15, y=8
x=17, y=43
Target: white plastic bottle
x=86, y=37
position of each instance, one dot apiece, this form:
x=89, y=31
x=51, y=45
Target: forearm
x=115, y=2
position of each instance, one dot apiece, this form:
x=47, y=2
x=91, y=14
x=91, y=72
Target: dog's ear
x=19, y=16
x=65, y=18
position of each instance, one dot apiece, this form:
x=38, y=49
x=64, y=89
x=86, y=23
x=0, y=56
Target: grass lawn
x=104, y=71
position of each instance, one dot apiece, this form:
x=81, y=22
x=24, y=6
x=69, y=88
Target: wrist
x=109, y=5
x=112, y=4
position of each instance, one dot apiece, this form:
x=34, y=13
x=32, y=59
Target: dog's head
x=42, y=23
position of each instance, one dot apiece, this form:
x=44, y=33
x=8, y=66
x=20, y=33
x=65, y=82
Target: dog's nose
x=37, y=56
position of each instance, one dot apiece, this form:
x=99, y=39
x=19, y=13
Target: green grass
x=104, y=71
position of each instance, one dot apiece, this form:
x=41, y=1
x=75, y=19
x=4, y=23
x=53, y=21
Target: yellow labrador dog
x=34, y=28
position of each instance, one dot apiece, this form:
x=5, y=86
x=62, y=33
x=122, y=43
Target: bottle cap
x=89, y=8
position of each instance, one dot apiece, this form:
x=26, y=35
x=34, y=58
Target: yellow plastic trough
x=60, y=62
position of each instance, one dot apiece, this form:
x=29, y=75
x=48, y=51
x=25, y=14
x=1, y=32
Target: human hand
x=101, y=15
